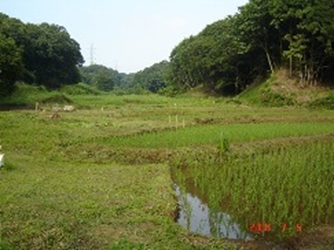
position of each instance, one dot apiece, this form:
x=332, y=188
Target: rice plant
x=288, y=186
x=221, y=134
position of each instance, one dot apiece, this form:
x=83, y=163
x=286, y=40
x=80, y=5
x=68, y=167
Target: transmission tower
x=92, y=50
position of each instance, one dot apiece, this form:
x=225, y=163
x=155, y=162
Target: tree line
x=225, y=57
x=151, y=79
x=264, y=36
x=43, y=54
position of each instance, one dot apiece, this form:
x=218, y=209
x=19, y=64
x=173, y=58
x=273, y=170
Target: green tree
x=50, y=56
x=308, y=28
x=215, y=58
x=10, y=65
x=126, y=81
x=255, y=26
x=227, y=61
x=103, y=81
x=180, y=67
x=265, y=35
x=103, y=78
x=152, y=78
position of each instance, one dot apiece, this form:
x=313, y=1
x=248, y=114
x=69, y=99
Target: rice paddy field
x=119, y=172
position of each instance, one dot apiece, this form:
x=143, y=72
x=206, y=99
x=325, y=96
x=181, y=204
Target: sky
x=126, y=35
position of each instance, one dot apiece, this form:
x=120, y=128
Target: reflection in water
x=197, y=218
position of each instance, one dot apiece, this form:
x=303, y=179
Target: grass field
x=100, y=177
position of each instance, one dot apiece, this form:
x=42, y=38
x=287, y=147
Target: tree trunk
x=236, y=84
x=271, y=66
x=291, y=66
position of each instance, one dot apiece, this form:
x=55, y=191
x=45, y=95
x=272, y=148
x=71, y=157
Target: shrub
x=270, y=98
x=80, y=89
x=324, y=103
x=56, y=98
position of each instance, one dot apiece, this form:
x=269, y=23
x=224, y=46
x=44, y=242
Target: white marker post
x=2, y=158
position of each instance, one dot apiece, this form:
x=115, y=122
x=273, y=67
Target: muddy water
x=197, y=217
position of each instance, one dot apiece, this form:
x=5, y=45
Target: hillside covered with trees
x=151, y=79
x=46, y=55
x=43, y=54
x=263, y=37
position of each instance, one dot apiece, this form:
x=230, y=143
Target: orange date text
x=267, y=227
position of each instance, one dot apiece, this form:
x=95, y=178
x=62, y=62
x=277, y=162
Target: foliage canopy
x=261, y=38
x=43, y=54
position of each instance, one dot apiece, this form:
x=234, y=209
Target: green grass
x=55, y=205
x=27, y=95
x=281, y=90
x=212, y=134
x=325, y=102
x=252, y=94
x=80, y=181
x=51, y=205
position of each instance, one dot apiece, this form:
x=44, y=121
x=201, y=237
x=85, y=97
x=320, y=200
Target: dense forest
x=225, y=57
x=42, y=54
x=150, y=79
x=265, y=35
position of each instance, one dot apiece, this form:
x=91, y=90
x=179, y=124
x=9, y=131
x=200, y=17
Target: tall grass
x=292, y=185
x=28, y=95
